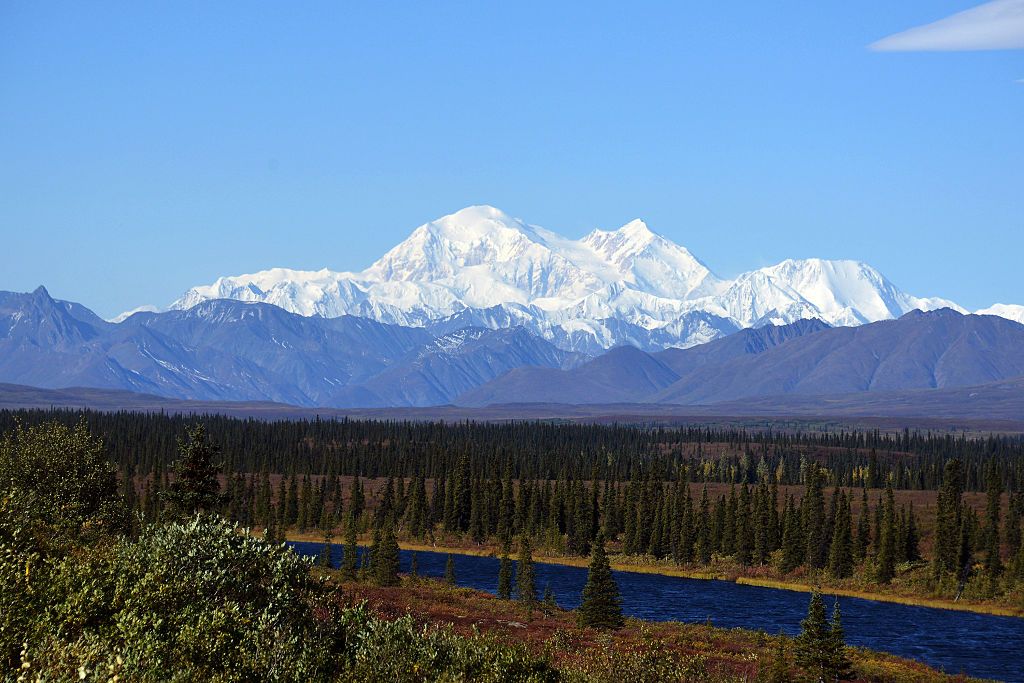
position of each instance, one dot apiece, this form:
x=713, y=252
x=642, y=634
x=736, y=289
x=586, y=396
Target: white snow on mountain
x=146, y=308
x=629, y=285
x=1012, y=312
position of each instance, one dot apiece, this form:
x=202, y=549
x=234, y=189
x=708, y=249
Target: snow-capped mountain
x=480, y=266
x=1009, y=311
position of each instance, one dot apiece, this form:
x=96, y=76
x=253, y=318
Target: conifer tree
x=912, y=551
x=325, y=552
x=449, y=570
x=994, y=493
x=839, y=666
x=820, y=647
x=505, y=575
x=601, y=606
x=292, y=508
x=385, y=555
x=779, y=672
x=526, y=589
x=350, y=558
x=886, y=566
x=813, y=514
x=414, y=565
x=862, y=540
x=357, y=499
x=840, y=561
x=195, y=487
x=702, y=535
x=948, y=523
x=549, y=599
x=792, y=537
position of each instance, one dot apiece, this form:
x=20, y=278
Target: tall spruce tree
x=195, y=487
x=385, y=555
x=993, y=495
x=820, y=647
x=840, y=561
x=505, y=575
x=886, y=563
x=449, y=570
x=526, y=588
x=948, y=521
x=600, y=606
x=350, y=558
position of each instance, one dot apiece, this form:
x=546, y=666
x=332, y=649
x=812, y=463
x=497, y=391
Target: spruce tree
x=414, y=565
x=862, y=541
x=549, y=599
x=814, y=644
x=779, y=672
x=386, y=557
x=840, y=561
x=886, y=567
x=449, y=570
x=505, y=575
x=349, y=560
x=702, y=547
x=948, y=521
x=792, y=539
x=526, y=589
x=994, y=493
x=195, y=487
x=601, y=606
x=325, y=552
x=839, y=667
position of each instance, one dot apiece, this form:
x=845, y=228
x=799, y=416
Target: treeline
x=655, y=514
x=142, y=443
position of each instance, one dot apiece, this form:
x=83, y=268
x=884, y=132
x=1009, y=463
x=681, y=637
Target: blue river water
x=956, y=642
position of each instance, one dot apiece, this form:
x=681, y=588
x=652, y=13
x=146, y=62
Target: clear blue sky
x=149, y=147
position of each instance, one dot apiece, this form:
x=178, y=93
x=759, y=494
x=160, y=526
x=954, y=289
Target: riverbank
x=643, y=566
x=640, y=651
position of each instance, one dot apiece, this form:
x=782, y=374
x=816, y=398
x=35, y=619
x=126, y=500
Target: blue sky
x=149, y=147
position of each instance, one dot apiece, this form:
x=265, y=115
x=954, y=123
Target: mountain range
x=480, y=267
x=226, y=350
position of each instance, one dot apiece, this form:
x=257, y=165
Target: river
x=979, y=645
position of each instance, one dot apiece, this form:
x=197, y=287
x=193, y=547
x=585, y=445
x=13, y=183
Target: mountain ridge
x=610, y=287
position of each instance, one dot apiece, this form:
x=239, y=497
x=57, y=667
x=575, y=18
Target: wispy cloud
x=996, y=25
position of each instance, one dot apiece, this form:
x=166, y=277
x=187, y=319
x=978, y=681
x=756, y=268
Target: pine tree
x=386, y=555
x=449, y=570
x=414, y=565
x=505, y=575
x=601, y=606
x=526, y=589
x=195, y=487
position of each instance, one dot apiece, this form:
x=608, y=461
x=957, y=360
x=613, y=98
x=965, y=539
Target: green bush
x=194, y=600
x=396, y=652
